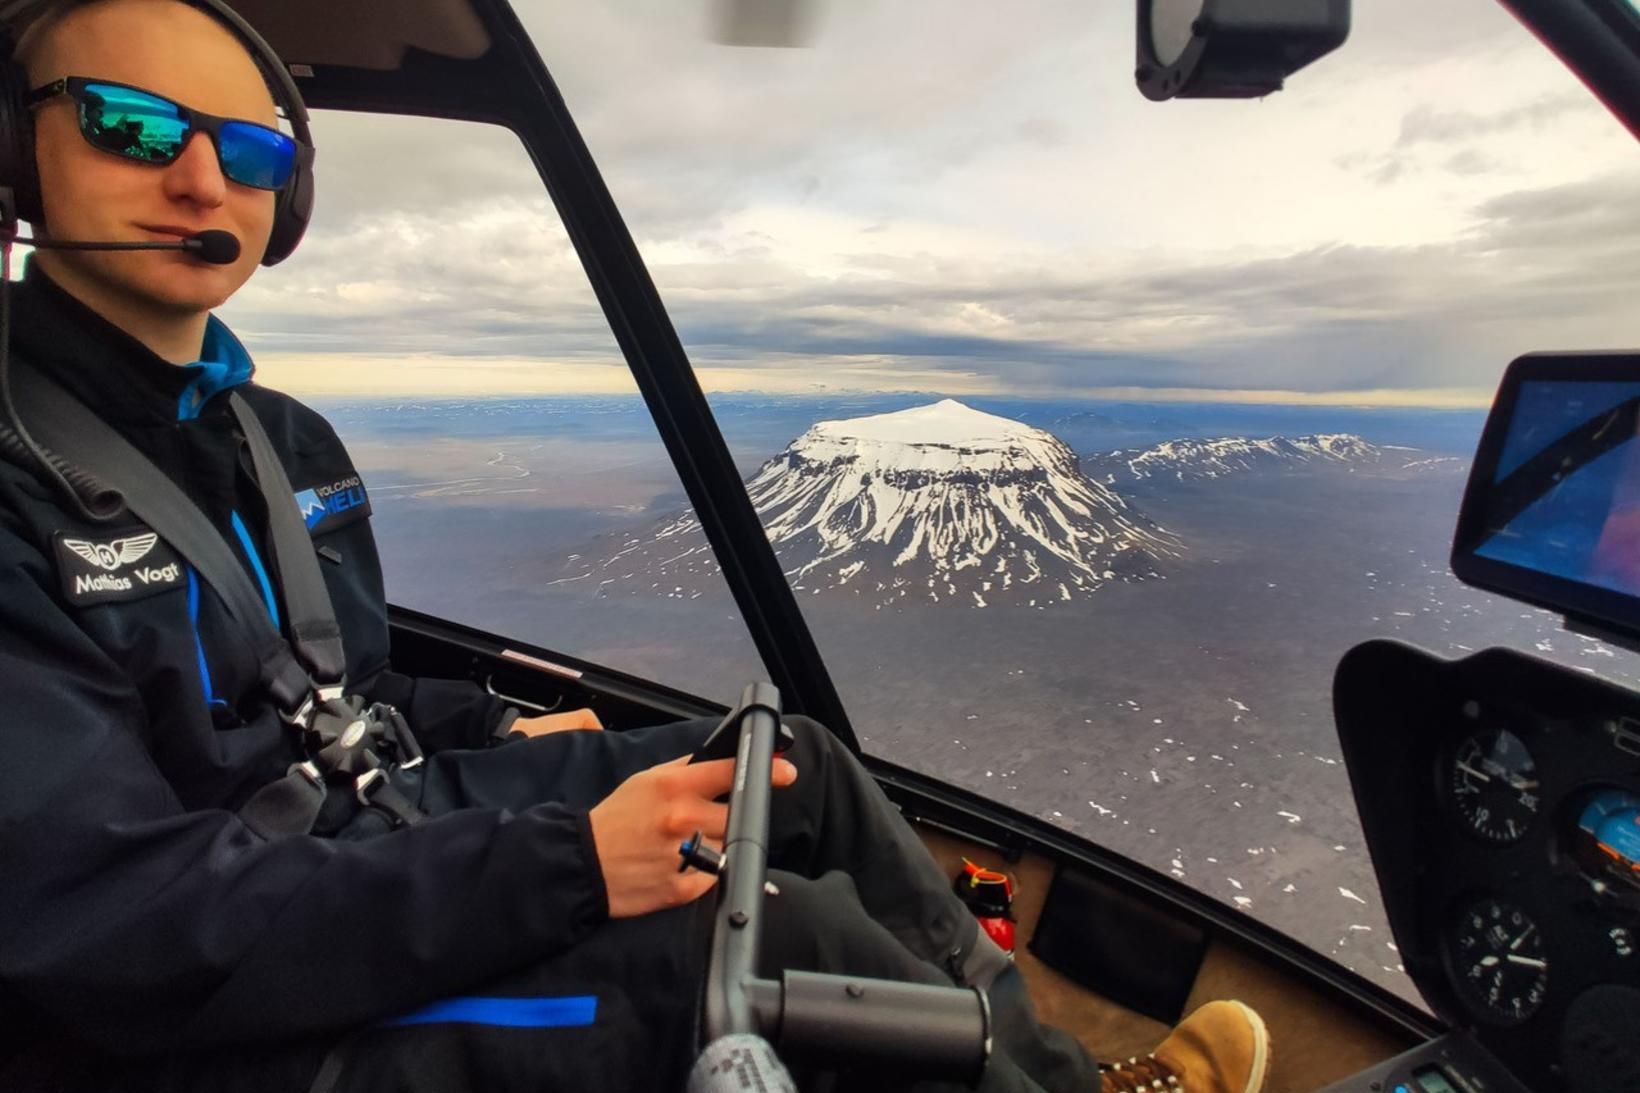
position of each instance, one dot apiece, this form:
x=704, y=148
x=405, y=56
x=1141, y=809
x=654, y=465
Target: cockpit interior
x=1498, y=792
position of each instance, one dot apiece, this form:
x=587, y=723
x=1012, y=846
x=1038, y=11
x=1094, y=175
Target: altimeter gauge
x=1494, y=785
x=1498, y=961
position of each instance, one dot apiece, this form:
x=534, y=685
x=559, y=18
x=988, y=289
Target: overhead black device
x=1551, y=515
x=1232, y=49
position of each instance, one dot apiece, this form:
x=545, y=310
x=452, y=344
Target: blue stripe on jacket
x=256, y=564
x=563, y=1012
x=199, y=646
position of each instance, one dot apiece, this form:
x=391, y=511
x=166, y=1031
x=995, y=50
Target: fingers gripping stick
x=723, y=744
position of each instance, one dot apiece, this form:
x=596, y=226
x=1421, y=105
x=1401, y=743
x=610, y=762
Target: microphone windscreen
x=217, y=247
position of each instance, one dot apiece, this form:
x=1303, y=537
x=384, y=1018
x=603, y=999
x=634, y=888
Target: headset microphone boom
x=215, y=246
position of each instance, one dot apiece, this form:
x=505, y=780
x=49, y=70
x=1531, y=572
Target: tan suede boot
x=1221, y=1048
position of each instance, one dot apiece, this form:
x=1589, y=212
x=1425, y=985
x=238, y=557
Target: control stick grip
x=739, y=1062
x=933, y=1032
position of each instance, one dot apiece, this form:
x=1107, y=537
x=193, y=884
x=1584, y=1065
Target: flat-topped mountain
x=938, y=503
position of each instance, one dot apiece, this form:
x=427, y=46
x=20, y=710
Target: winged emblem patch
x=115, y=553
x=133, y=563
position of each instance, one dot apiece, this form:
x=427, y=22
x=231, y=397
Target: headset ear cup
x=291, y=216
x=17, y=166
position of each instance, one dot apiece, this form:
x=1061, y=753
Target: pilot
x=519, y=921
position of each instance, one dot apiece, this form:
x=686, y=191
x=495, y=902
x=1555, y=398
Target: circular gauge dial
x=1606, y=842
x=1494, y=785
x=1498, y=961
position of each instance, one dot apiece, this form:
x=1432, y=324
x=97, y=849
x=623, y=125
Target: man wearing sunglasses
x=140, y=914
x=150, y=128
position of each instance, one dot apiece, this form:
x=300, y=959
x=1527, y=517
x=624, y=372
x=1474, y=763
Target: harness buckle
x=317, y=695
x=374, y=790
x=307, y=769
x=366, y=784
x=302, y=718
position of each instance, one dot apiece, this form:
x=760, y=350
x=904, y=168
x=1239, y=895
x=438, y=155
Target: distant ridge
x=1191, y=458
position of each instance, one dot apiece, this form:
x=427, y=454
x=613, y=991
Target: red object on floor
x=1001, y=931
x=990, y=895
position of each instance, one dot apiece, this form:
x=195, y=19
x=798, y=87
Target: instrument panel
x=1500, y=798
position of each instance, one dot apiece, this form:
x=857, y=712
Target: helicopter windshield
x=1089, y=433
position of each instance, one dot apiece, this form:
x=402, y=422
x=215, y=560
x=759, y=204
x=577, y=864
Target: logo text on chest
x=108, y=582
x=119, y=567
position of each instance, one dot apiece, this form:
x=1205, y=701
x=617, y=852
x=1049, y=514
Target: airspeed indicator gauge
x=1494, y=785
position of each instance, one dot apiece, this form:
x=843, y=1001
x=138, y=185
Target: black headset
x=294, y=202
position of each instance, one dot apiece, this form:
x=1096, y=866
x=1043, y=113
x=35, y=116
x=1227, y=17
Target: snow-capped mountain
x=939, y=503
x=1191, y=458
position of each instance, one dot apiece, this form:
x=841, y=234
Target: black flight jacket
x=137, y=913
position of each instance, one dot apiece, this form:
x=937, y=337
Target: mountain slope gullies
x=1194, y=459
x=938, y=503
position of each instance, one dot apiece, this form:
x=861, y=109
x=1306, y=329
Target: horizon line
x=355, y=377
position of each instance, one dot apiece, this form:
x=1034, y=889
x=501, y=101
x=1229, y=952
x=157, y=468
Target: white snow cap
x=944, y=422
x=942, y=436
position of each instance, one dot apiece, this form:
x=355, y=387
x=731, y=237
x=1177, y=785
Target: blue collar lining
x=223, y=363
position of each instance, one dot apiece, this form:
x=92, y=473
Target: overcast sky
x=952, y=196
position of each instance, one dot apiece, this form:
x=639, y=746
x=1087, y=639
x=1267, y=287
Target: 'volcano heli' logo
x=115, y=553
x=328, y=506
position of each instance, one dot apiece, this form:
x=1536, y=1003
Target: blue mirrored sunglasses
x=150, y=128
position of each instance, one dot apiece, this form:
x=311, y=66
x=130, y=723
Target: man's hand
x=557, y=722
x=638, y=829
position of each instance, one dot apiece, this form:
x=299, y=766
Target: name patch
x=115, y=566
x=333, y=505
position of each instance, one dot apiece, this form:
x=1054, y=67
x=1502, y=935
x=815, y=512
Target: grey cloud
x=1599, y=210
x=442, y=241
x=1431, y=125
x=419, y=165
x=1387, y=171
x=1427, y=130
x=688, y=132
x=1471, y=162
x=1542, y=268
